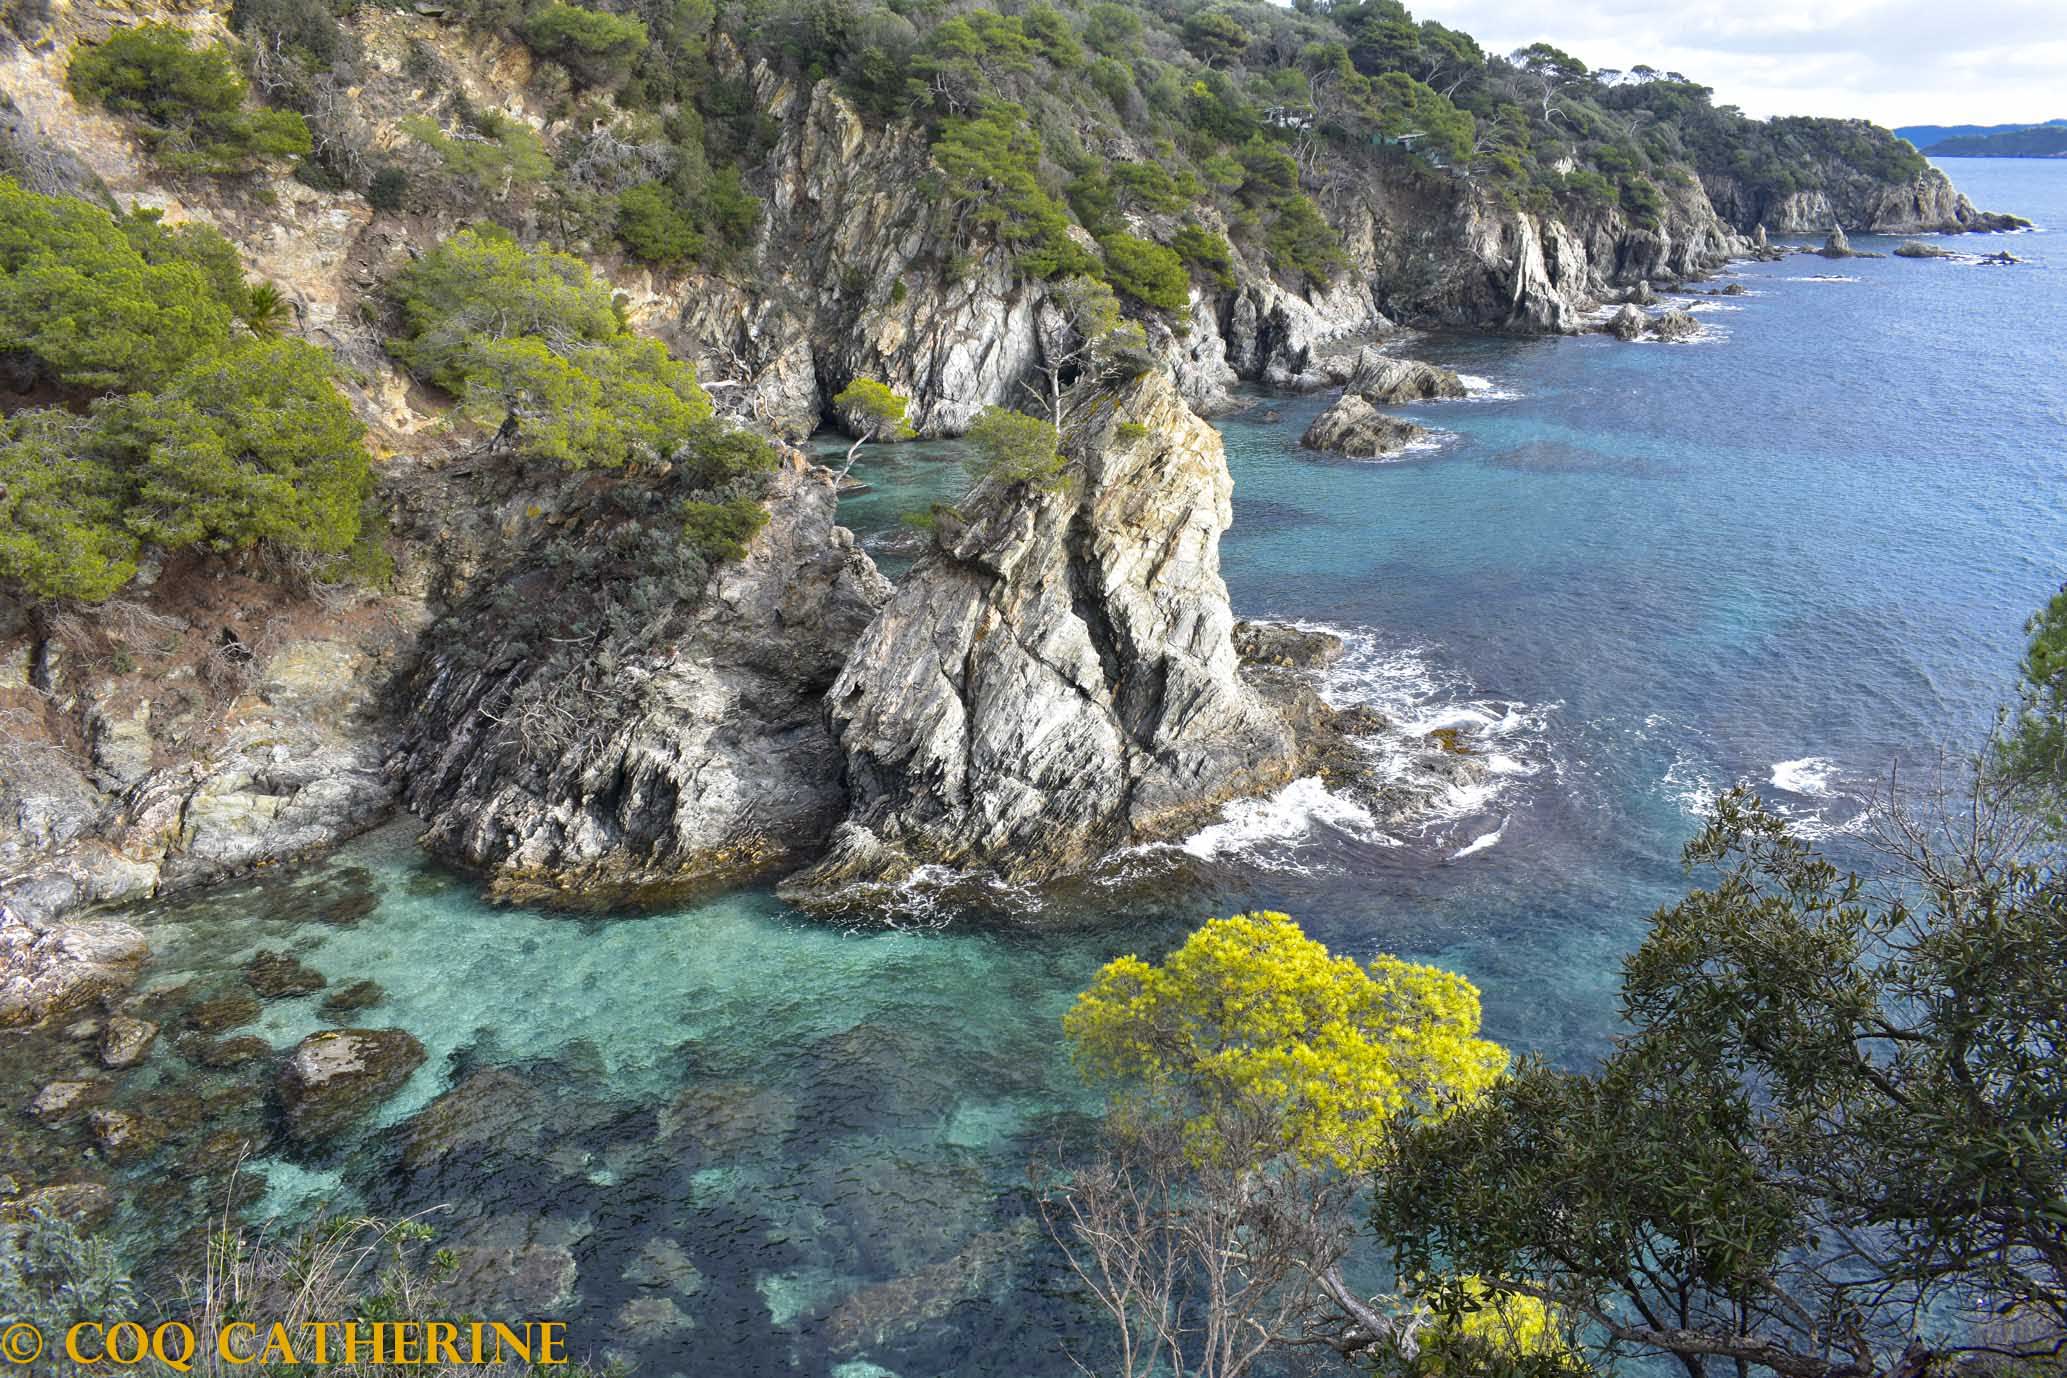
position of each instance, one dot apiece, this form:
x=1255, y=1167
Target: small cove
x=1794, y=555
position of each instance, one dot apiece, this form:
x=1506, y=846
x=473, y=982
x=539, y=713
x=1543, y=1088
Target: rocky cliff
x=1925, y=204
x=856, y=274
x=689, y=751
x=1056, y=677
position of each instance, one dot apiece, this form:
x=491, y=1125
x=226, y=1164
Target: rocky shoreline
x=223, y=717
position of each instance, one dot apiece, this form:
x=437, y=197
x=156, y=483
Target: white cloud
x=1891, y=61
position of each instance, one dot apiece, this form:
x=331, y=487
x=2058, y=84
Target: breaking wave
x=1442, y=758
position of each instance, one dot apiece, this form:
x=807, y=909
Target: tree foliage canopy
x=1012, y=447
x=1250, y=1011
x=188, y=102
x=533, y=346
x=196, y=436
x=1836, y=1120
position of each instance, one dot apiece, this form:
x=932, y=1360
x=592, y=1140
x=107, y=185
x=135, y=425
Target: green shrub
x=187, y=102
x=1640, y=196
x=483, y=284
x=61, y=531
x=595, y=47
x=208, y=443
x=727, y=213
x=388, y=189
x=1206, y=253
x=1300, y=242
x=1012, y=447
x=653, y=230
x=102, y=304
x=1147, y=272
x=533, y=346
x=990, y=165
x=253, y=446
x=1216, y=36
x=508, y=154
x=266, y=311
x=720, y=530
x=307, y=29
x=719, y=453
x=1149, y=186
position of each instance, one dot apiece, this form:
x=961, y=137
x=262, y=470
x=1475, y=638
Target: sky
x=1890, y=61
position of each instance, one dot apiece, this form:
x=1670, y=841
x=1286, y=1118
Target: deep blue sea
x=1798, y=552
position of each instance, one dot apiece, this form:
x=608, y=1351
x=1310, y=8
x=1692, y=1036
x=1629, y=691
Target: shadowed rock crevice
x=691, y=756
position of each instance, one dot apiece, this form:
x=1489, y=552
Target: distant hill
x=2046, y=141
x=1930, y=138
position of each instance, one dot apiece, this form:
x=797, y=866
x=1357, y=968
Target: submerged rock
x=62, y=1099
x=1056, y=678
x=1355, y=428
x=492, y=1108
x=275, y=975
x=880, y=1314
x=664, y=1265
x=220, y=1012
x=535, y=1278
x=357, y=996
x=1386, y=381
x=232, y=1052
x=87, y=1205
x=334, y=1077
x=124, y=1041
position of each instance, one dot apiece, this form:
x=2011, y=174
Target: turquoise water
x=1794, y=553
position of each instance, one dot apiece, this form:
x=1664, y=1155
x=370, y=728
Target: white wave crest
x=1480, y=389
x=1480, y=843
x=1269, y=831
x=1810, y=776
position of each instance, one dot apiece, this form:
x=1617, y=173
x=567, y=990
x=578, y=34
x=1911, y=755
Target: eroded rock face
x=708, y=762
x=1056, y=677
x=1355, y=428
x=48, y=970
x=1926, y=204
x=334, y=1077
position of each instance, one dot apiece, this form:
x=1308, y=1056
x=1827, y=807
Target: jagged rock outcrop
x=1925, y=204
x=1916, y=248
x=1355, y=428
x=1384, y=380
x=1836, y=245
x=695, y=759
x=1056, y=677
x=1673, y=323
x=1627, y=323
x=295, y=766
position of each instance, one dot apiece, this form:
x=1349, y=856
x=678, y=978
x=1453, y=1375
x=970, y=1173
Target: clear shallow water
x=1795, y=554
